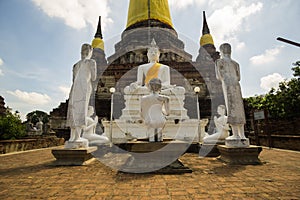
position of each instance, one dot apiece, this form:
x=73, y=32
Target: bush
x=283, y=102
x=11, y=127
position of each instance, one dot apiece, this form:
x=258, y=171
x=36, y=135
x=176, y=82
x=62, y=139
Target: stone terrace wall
x=8, y=146
x=277, y=133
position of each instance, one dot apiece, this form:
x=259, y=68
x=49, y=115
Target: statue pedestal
x=240, y=155
x=81, y=156
x=131, y=112
x=183, y=130
x=157, y=157
x=81, y=143
x=237, y=142
x=210, y=149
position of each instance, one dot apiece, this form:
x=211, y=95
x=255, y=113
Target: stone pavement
x=29, y=175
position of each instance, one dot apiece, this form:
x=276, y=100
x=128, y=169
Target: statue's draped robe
x=152, y=110
x=84, y=72
x=152, y=72
x=228, y=73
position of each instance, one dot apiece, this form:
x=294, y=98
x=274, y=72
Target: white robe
x=228, y=73
x=84, y=72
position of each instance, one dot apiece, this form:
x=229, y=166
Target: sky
x=40, y=40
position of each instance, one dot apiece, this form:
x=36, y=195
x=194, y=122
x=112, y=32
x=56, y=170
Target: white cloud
x=271, y=81
x=65, y=90
x=268, y=56
x=1, y=62
x=77, y=13
x=180, y=5
x=227, y=21
x=32, y=98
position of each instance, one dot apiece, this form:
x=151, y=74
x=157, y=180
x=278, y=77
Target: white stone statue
x=89, y=132
x=39, y=127
x=84, y=72
x=228, y=72
x=151, y=70
x=222, y=127
x=154, y=108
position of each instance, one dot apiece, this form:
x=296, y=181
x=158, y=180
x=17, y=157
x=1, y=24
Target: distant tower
x=207, y=43
x=99, y=57
x=98, y=52
x=206, y=62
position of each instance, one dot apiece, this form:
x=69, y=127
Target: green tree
x=283, y=102
x=11, y=126
x=34, y=117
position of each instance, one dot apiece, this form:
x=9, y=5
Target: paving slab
x=30, y=175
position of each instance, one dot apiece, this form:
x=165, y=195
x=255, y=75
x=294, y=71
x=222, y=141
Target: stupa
x=146, y=21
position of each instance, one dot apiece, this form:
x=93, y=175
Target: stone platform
x=182, y=130
x=209, y=150
x=240, y=155
x=81, y=156
x=29, y=175
x=155, y=157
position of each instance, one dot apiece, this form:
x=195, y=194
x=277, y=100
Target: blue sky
x=40, y=41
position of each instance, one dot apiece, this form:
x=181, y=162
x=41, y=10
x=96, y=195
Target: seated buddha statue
x=151, y=70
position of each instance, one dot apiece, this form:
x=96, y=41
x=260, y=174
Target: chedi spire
x=98, y=39
x=206, y=37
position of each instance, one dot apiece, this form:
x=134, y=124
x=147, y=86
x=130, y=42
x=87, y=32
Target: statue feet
x=76, y=144
x=156, y=138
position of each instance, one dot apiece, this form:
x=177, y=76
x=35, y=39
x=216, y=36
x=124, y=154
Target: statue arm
x=94, y=70
x=139, y=79
x=74, y=72
x=238, y=73
x=218, y=75
x=221, y=124
x=92, y=125
x=166, y=76
x=167, y=106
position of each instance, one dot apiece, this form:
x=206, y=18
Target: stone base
x=80, y=156
x=237, y=142
x=183, y=130
x=177, y=167
x=155, y=157
x=242, y=156
x=194, y=147
x=209, y=150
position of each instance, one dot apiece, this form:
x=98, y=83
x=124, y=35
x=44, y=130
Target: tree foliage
x=34, y=117
x=283, y=102
x=11, y=126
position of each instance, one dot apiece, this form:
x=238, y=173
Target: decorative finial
x=205, y=29
x=206, y=37
x=153, y=43
x=99, y=31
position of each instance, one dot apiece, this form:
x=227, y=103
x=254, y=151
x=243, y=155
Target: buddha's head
x=221, y=110
x=153, y=52
x=90, y=110
x=154, y=85
x=86, y=51
x=225, y=49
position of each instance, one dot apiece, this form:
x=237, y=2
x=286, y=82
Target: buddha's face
x=221, y=110
x=153, y=54
x=90, y=110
